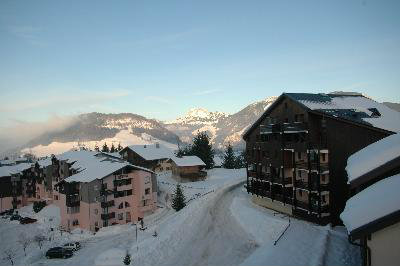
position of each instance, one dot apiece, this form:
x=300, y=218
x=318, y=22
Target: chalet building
x=188, y=168
x=18, y=185
x=152, y=156
x=103, y=191
x=298, y=149
x=372, y=215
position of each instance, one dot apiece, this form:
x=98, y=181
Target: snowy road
x=221, y=240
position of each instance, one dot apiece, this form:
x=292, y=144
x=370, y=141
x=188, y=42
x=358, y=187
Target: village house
x=188, y=168
x=372, y=215
x=104, y=191
x=152, y=156
x=298, y=149
x=18, y=185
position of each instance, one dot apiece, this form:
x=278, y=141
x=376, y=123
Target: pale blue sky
x=160, y=58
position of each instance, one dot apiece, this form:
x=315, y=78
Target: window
x=55, y=197
x=299, y=173
x=96, y=211
x=129, y=192
x=96, y=224
x=120, y=216
x=147, y=191
x=121, y=205
x=75, y=222
x=323, y=178
x=143, y=203
x=127, y=204
x=299, y=155
x=323, y=199
x=323, y=157
x=300, y=193
x=95, y=187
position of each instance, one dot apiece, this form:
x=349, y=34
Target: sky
x=161, y=58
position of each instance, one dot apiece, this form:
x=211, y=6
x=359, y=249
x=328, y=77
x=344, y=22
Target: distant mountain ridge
x=96, y=128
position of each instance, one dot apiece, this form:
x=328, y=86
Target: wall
x=384, y=245
x=274, y=205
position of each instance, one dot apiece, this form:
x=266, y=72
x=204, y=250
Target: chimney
x=157, y=145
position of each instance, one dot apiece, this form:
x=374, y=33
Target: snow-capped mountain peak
x=199, y=116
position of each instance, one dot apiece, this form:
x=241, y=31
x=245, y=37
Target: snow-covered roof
x=352, y=107
x=44, y=162
x=14, y=169
x=91, y=167
x=112, y=154
x=152, y=151
x=374, y=202
x=373, y=156
x=188, y=161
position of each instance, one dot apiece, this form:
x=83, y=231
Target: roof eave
x=376, y=225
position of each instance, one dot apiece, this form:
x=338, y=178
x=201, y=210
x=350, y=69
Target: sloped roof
x=373, y=156
x=188, y=161
x=151, y=152
x=355, y=107
x=14, y=169
x=379, y=200
x=91, y=167
x=348, y=106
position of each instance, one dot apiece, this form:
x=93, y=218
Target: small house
x=188, y=168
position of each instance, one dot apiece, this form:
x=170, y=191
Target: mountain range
x=93, y=129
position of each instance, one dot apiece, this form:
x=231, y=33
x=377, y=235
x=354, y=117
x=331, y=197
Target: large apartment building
x=92, y=189
x=297, y=150
x=103, y=191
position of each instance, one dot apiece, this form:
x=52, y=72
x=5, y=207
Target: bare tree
x=9, y=255
x=24, y=241
x=39, y=239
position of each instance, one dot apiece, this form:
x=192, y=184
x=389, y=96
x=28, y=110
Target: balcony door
x=128, y=217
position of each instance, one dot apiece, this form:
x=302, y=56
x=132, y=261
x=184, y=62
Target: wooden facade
x=297, y=157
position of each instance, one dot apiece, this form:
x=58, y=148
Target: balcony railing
x=270, y=129
x=108, y=216
x=107, y=204
x=285, y=181
x=297, y=127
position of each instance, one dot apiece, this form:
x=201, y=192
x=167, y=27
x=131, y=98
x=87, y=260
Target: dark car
x=27, y=220
x=15, y=217
x=7, y=212
x=58, y=252
x=74, y=246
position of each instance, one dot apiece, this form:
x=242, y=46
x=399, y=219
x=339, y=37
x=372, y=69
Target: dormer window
x=375, y=112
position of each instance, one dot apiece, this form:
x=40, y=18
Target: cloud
x=158, y=99
x=29, y=34
x=71, y=98
x=22, y=131
x=206, y=92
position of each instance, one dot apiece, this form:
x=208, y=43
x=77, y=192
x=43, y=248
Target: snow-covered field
x=219, y=226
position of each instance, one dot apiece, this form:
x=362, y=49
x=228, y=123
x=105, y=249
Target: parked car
x=27, y=220
x=7, y=212
x=58, y=252
x=74, y=246
x=15, y=217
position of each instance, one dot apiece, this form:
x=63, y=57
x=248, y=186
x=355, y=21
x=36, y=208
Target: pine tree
x=119, y=148
x=105, y=148
x=112, y=148
x=127, y=259
x=96, y=148
x=185, y=151
x=240, y=161
x=202, y=148
x=229, y=158
x=178, y=200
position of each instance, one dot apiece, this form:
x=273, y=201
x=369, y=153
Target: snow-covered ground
x=219, y=226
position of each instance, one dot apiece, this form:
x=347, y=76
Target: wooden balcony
x=294, y=128
x=270, y=129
